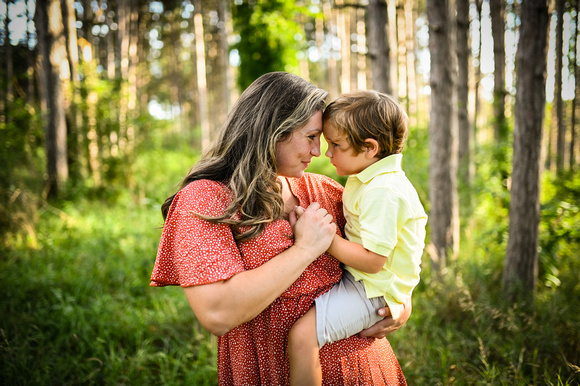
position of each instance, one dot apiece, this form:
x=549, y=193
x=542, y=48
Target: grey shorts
x=345, y=310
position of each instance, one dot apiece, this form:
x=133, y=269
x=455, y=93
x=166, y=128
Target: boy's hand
x=295, y=215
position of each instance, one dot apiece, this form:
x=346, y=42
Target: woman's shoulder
x=206, y=197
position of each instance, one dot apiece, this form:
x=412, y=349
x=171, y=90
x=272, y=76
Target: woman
x=228, y=241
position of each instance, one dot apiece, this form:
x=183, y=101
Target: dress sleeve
x=193, y=251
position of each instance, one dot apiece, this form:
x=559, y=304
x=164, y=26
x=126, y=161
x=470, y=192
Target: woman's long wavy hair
x=243, y=156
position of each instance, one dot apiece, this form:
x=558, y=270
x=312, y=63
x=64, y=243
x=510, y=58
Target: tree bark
x=401, y=55
x=410, y=42
x=379, y=49
x=463, y=90
x=226, y=81
x=201, y=77
x=561, y=139
x=574, y=57
x=53, y=55
x=520, y=272
x=442, y=136
x=361, y=64
x=497, y=13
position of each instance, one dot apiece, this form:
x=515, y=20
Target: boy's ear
x=372, y=148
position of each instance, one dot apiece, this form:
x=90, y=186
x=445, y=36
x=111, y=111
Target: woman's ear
x=372, y=148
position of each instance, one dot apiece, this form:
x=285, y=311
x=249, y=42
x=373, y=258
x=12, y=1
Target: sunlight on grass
x=77, y=307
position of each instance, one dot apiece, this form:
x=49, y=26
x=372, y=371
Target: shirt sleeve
x=194, y=251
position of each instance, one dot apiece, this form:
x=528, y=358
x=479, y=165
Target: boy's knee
x=303, y=329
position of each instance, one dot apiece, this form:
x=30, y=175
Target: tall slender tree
x=497, y=13
x=53, y=55
x=201, y=77
x=520, y=272
x=378, y=42
x=574, y=70
x=442, y=135
x=463, y=124
x=560, y=124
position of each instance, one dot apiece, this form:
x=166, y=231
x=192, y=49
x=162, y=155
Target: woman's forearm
x=225, y=304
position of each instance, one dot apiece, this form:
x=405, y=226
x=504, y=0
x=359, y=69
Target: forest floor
x=77, y=308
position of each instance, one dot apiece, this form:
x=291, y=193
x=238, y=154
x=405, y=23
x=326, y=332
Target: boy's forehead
x=331, y=132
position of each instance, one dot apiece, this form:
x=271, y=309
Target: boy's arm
x=347, y=252
x=356, y=256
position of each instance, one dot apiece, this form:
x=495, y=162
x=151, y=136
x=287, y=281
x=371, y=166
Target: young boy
x=365, y=131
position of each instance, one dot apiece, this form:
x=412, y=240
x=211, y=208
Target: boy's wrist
x=331, y=249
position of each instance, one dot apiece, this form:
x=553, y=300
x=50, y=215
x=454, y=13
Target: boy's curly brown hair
x=365, y=114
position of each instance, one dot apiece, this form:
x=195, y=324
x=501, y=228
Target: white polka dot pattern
x=193, y=251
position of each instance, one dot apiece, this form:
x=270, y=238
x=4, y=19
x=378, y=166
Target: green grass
x=76, y=306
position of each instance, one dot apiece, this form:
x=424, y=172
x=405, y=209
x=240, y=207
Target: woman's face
x=295, y=152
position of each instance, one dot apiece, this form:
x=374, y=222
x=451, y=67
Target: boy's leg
x=303, y=351
x=345, y=310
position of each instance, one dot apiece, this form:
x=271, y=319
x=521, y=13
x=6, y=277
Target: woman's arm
x=388, y=324
x=225, y=304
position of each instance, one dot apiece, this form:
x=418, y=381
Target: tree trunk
x=574, y=57
x=497, y=13
x=561, y=139
x=226, y=84
x=401, y=55
x=521, y=263
x=442, y=136
x=53, y=54
x=392, y=41
x=73, y=111
x=378, y=43
x=9, y=71
x=330, y=14
x=361, y=64
x=343, y=31
x=201, y=77
x=410, y=61
x=477, y=79
x=463, y=90
x=132, y=81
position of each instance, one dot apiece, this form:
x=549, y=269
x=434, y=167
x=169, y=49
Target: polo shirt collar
x=388, y=164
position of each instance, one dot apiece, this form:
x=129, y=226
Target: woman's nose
x=315, y=150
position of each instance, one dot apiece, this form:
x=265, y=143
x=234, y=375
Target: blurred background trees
x=90, y=88
x=85, y=83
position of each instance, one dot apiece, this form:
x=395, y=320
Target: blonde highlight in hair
x=364, y=114
x=243, y=156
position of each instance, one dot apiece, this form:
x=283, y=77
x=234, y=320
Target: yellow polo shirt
x=384, y=214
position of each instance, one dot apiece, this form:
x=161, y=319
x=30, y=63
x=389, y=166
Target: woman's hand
x=313, y=228
x=388, y=324
x=225, y=304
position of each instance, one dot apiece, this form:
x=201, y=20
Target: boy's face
x=342, y=155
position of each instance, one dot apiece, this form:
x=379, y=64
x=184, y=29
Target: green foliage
x=270, y=37
x=462, y=332
x=22, y=158
x=559, y=227
x=76, y=306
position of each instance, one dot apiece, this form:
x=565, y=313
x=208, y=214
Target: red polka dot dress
x=193, y=251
